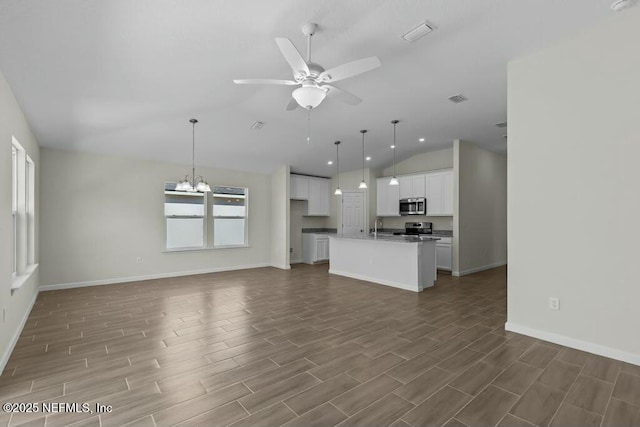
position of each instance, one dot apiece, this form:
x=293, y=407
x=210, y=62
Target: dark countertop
x=319, y=230
x=386, y=238
x=436, y=233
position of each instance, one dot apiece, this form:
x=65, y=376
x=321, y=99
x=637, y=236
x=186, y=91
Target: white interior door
x=353, y=212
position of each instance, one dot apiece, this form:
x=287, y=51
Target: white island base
x=392, y=261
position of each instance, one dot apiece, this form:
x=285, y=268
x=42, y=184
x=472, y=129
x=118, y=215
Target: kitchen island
x=402, y=262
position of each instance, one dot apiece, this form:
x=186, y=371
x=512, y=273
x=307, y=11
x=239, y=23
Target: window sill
x=21, y=279
x=179, y=250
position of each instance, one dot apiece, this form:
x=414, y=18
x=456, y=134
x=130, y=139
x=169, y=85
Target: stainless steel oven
x=417, y=206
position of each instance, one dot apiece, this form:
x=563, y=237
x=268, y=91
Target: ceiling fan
x=312, y=78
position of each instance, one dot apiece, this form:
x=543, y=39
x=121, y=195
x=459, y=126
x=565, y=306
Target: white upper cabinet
x=412, y=186
x=440, y=193
x=315, y=191
x=299, y=187
x=388, y=198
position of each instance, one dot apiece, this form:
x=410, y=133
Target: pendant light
x=338, y=191
x=191, y=183
x=394, y=180
x=363, y=184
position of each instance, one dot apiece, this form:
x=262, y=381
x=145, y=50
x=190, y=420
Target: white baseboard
x=44, y=288
x=281, y=266
x=4, y=358
x=374, y=280
x=578, y=344
x=295, y=261
x=477, y=269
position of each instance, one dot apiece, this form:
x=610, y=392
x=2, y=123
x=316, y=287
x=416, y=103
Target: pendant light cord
x=362, y=156
x=308, y=125
x=338, y=163
x=193, y=154
x=394, y=149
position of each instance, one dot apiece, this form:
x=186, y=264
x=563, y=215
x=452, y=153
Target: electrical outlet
x=554, y=303
x=139, y=260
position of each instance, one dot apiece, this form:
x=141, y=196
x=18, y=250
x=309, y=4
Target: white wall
x=480, y=208
x=280, y=213
x=18, y=303
x=429, y=161
x=99, y=213
x=574, y=145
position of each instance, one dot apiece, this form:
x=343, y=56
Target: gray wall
x=18, y=303
x=280, y=214
x=99, y=213
x=574, y=145
x=480, y=208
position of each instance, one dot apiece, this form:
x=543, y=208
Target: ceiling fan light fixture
x=309, y=97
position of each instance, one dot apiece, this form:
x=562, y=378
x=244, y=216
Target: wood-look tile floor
x=267, y=347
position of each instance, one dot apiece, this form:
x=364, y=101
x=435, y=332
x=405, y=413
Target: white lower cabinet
x=315, y=248
x=444, y=253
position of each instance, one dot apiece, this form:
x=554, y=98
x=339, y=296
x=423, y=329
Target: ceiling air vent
x=415, y=33
x=257, y=125
x=501, y=125
x=458, y=98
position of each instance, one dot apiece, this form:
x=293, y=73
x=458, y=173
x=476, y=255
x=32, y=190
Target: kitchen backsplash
x=439, y=222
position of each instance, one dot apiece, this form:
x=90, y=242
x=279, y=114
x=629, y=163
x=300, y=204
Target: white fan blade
x=292, y=105
x=349, y=69
x=341, y=95
x=264, y=82
x=292, y=56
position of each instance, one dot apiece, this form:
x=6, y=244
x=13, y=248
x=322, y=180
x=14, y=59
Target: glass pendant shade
x=309, y=96
x=203, y=187
x=363, y=185
x=394, y=181
x=338, y=192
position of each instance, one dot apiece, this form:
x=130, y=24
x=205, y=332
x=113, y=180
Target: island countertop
x=385, y=238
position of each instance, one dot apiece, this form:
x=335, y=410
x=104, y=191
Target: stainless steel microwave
x=417, y=206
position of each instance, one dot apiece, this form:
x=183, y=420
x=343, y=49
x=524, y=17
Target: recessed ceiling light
x=392, y=146
x=330, y=162
x=257, y=125
x=458, y=98
x=421, y=140
x=418, y=31
x=368, y=158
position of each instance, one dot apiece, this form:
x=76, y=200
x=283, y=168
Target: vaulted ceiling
x=124, y=77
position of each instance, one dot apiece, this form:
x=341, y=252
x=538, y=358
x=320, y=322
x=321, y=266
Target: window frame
x=245, y=217
x=24, y=212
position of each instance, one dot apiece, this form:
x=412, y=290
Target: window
x=184, y=216
x=23, y=179
x=229, y=216
x=14, y=205
x=190, y=227
x=30, y=220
